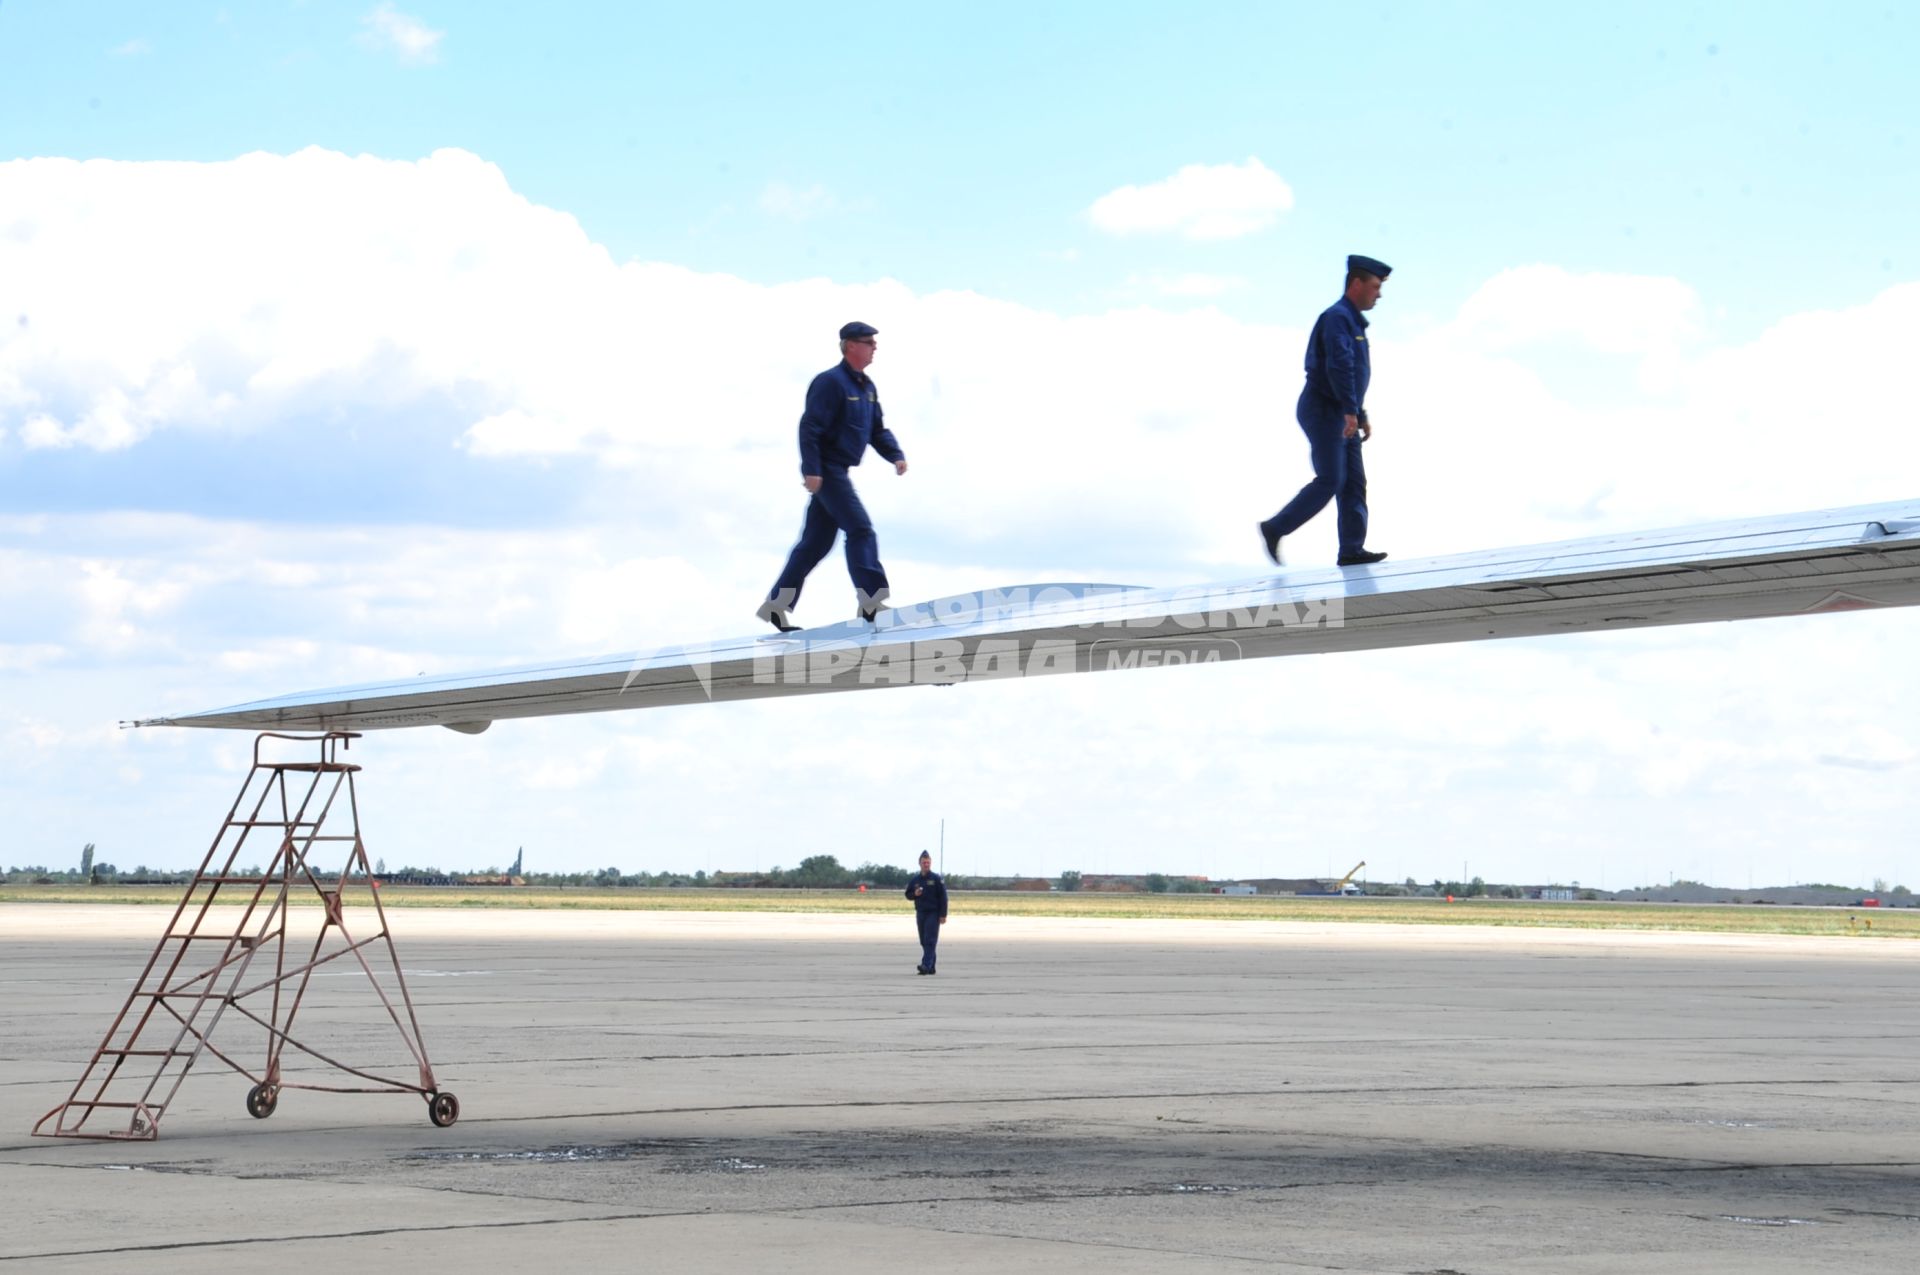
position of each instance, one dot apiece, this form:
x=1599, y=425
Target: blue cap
x=1378, y=269
x=854, y=330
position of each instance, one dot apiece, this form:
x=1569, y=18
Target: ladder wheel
x=261, y=1100
x=443, y=1109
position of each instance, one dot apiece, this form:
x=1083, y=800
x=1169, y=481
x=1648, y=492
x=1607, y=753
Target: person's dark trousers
x=834, y=508
x=1339, y=475
x=929, y=937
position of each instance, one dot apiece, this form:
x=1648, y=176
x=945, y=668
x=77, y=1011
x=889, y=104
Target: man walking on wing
x=1333, y=414
x=842, y=419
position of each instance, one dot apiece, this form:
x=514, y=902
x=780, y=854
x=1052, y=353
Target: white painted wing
x=1829, y=560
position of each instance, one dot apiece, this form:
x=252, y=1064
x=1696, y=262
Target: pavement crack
x=1285, y=1091
x=1200, y=1254
x=364, y=1232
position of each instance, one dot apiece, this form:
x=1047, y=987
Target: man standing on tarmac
x=929, y=895
x=842, y=419
x=1333, y=414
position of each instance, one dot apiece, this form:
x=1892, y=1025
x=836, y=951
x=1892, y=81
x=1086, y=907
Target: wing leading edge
x=1831, y=560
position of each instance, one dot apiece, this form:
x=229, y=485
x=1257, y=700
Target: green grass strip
x=1694, y=918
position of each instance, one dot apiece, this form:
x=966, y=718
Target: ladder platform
x=257, y=974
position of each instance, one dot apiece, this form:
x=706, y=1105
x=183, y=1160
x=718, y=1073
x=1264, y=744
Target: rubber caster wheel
x=443, y=1109
x=261, y=1100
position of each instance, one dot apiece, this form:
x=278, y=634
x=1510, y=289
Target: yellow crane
x=1340, y=886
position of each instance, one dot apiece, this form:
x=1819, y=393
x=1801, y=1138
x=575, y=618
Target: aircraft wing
x=1794, y=564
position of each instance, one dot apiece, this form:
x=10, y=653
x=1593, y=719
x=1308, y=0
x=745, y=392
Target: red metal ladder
x=181, y=996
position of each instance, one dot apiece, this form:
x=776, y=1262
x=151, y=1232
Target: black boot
x=1271, y=539
x=778, y=616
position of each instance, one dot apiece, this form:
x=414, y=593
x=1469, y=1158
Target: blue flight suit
x=1339, y=368
x=842, y=419
x=929, y=909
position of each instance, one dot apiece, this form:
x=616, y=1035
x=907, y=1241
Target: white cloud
x=276, y=300
x=793, y=204
x=43, y=431
x=264, y=295
x=1219, y=201
x=515, y=433
x=136, y=47
x=29, y=656
x=1189, y=284
x=407, y=37
x=1608, y=313
x=116, y=607
x=560, y=774
x=36, y=735
x=286, y=656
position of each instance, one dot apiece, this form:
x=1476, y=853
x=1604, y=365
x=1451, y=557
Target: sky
x=343, y=342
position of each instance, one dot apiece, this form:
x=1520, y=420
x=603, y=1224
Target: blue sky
x=959, y=149
x=520, y=383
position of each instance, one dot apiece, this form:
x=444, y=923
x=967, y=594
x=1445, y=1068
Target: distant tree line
x=820, y=872
x=816, y=872
x=100, y=873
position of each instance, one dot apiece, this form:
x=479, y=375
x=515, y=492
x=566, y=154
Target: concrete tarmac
x=732, y=1091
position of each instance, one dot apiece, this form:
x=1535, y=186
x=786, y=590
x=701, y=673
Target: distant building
x=1287, y=885
x=1236, y=888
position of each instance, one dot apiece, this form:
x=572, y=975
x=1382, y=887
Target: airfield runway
x=733, y=1091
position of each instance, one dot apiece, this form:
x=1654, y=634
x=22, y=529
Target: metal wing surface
x=1795, y=564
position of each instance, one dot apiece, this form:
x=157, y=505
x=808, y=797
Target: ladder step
x=177, y=995
x=77, y=1104
x=102, y=1104
x=246, y=942
x=143, y=1053
x=273, y=823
